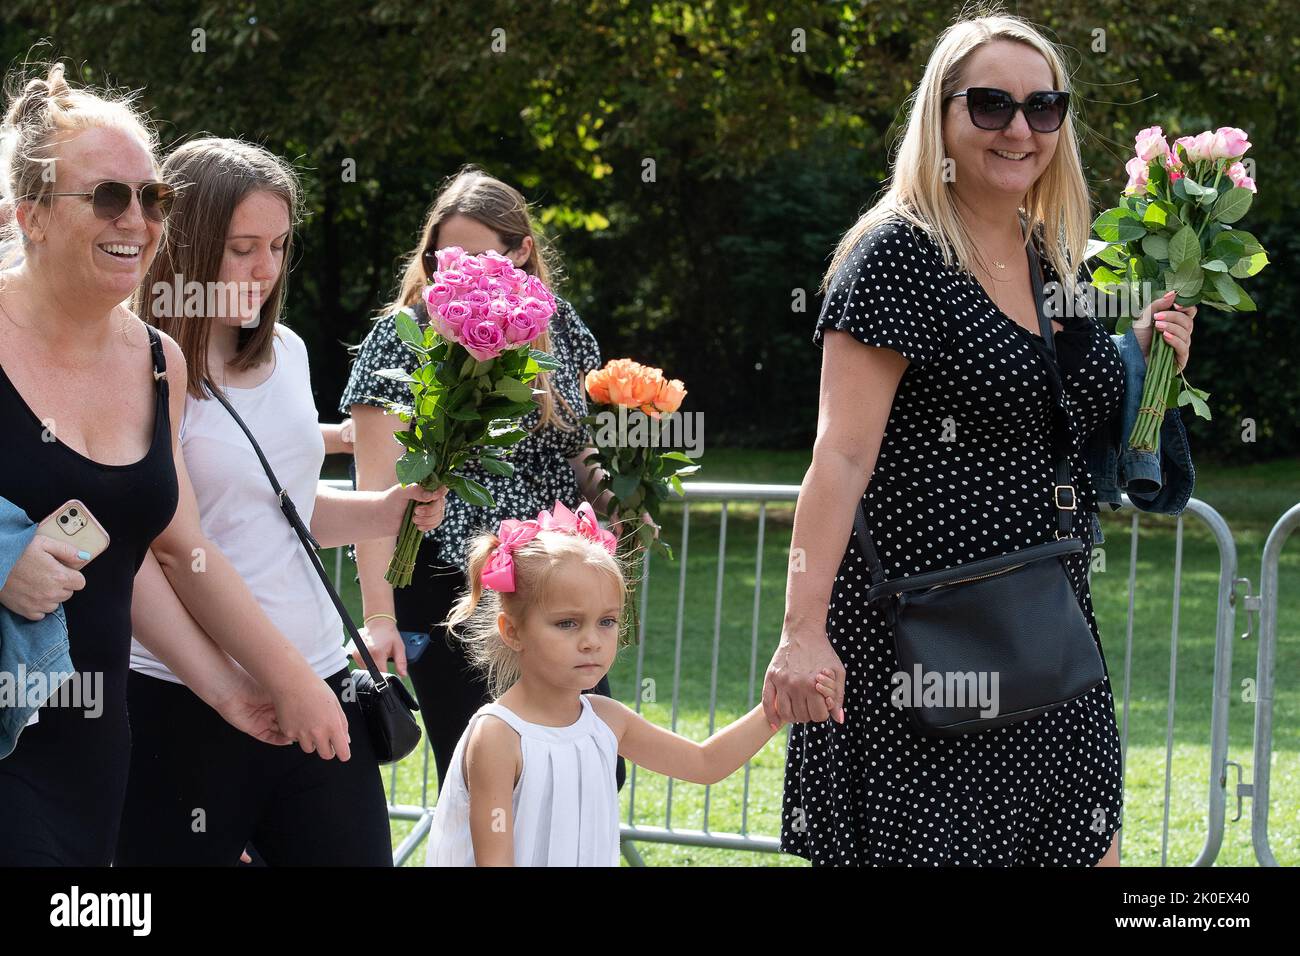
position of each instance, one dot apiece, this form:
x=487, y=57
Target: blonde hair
x=473, y=618
x=216, y=175
x=39, y=110
x=474, y=194
x=1057, y=202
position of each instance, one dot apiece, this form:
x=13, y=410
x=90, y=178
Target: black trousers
x=447, y=685
x=199, y=790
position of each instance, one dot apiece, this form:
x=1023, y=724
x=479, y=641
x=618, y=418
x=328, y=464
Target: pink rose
x=538, y=310
x=1237, y=173
x=499, y=312
x=471, y=266
x=478, y=300
x=438, y=294
x=1137, y=176
x=1151, y=144
x=522, y=328
x=1229, y=143
x=448, y=257
x=1196, y=148
x=495, y=264
x=536, y=288
x=482, y=339
x=458, y=280
x=449, y=319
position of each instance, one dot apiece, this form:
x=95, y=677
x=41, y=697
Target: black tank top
x=134, y=503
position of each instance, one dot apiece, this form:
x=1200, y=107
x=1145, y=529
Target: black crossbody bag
x=386, y=704
x=1012, y=616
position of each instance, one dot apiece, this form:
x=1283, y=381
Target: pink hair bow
x=583, y=523
x=499, y=572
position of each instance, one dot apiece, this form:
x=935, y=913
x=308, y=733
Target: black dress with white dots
x=964, y=471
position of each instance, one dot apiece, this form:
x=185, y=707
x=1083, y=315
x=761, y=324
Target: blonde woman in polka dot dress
x=941, y=431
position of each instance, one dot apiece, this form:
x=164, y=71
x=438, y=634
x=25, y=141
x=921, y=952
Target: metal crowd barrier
x=724, y=496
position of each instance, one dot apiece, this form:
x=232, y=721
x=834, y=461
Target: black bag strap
x=1063, y=493
x=309, y=545
x=159, y=362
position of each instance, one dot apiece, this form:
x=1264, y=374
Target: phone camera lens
x=63, y=519
x=73, y=512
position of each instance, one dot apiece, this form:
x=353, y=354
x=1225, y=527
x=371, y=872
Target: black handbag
x=999, y=639
x=385, y=703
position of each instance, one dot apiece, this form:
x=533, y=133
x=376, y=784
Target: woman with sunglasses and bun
x=939, y=420
x=232, y=231
x=477, y=213
x=88, y=414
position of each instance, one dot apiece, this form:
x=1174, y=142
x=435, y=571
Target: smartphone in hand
x=72, y=523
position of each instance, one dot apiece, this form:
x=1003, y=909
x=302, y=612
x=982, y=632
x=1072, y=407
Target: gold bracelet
x=370, y=617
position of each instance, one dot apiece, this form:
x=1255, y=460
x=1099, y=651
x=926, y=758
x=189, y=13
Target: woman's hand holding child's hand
x=825, y=683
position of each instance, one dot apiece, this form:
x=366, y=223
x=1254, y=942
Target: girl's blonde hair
x=40, y=109
x=474, y=194
x=216, y=175
x=1057, y=201
x=473, y=618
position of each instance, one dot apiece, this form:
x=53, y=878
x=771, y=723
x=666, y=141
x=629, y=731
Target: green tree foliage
x=767, y=127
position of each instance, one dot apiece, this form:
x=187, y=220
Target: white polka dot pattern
x=964, y=472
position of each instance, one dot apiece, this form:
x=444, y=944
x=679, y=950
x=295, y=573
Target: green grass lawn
x=1251, y=499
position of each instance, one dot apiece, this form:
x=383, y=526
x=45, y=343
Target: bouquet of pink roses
x=473, y=383
x=1174, y=228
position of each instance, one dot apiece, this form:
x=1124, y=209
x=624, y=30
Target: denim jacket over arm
x=1157, y=482
x=34, y=655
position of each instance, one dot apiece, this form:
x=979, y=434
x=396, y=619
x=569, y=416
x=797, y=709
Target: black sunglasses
x=991, y=108
x=111, y=199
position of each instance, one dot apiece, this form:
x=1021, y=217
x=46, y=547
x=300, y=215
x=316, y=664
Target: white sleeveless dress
x=565, y=803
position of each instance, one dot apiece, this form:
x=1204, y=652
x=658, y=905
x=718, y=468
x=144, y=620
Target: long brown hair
x=474, y=194
x=215, y=176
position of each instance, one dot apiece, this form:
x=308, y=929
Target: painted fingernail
x=84, y=555
x=1160, y=323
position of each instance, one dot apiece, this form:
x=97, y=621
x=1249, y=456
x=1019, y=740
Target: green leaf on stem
x=414, y=467
x=1228, y=290
x=544, y=360
x=409, y=331
x=396, y=375
x=472, y=492
x=495, y=466
x=1184, y=247
x=1249, y=265
x=625, y=486
x=513, y=389
x=1156, y=246
x=1187, y=280
x=1232, y=205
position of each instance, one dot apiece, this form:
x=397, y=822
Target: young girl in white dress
x=534, y=784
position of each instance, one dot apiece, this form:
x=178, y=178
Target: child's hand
x=826, y=687
x=825, y=684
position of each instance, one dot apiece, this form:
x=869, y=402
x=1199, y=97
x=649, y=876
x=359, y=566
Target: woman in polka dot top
x=476, y=212
x=935, y=418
